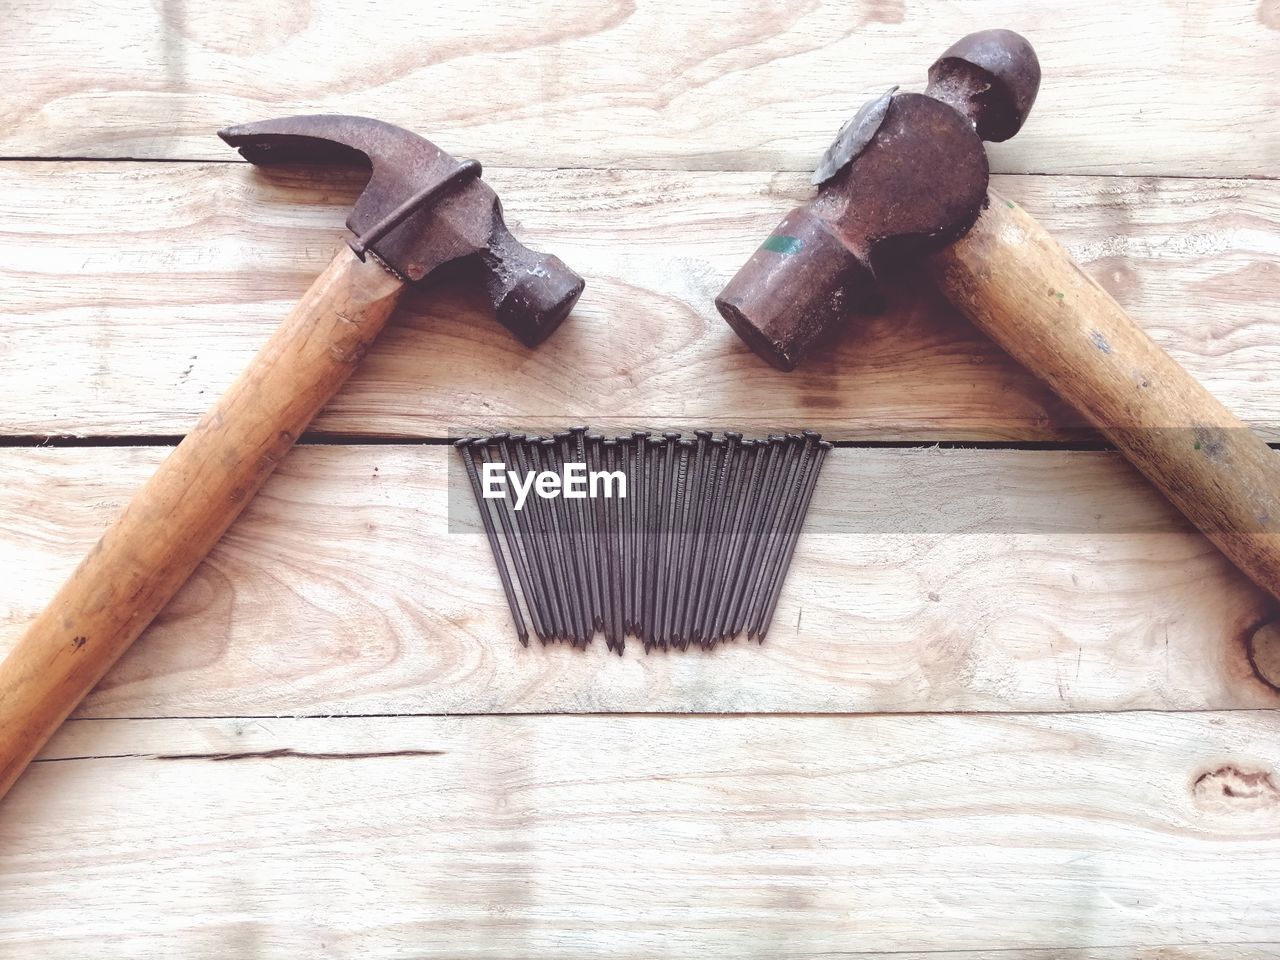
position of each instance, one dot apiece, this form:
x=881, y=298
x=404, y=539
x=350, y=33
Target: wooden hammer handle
x=1016, y=283
x=182, y=511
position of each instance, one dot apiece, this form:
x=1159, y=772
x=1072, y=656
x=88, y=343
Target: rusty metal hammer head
x=904, y=178
x=422, y=210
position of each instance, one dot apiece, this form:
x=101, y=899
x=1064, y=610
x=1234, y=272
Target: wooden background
x=1012, y=706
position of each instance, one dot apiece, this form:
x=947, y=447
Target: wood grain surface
x=929, y=580
x=942, y=752
x=1145, y=87
x=179, y=272
x=641, y=837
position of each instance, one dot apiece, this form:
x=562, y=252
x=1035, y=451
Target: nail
x=679, y=524
x=766, y=505
x=738, y=538
x=554, y=510
x=787, y=460
x=623, y=465
x=531, y=515
x=516, y=545
x=483, y=506
x=527, y=458
x=602, y=546
x=609, y=457
x=587, y=529
x=634, y=495
x=652, y=482
x=793, y=535
x=537, y=599
x=711, y=475
x=670, y=480
x=689, y=536
x=480, y=447
x=567, y=519
x=720, y=505
x=799, y=457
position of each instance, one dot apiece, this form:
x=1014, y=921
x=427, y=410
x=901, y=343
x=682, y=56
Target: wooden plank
x=1152, y=88
x=928, y=581
x=558, y=837
x=1163, y=951
x=134, y=293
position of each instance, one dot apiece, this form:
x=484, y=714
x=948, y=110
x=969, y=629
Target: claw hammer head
x=421, y=210
x=907, y=176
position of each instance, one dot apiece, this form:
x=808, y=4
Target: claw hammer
x=421, y=210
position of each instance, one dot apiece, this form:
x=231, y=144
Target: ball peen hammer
x=907, y=180
x=421, y=210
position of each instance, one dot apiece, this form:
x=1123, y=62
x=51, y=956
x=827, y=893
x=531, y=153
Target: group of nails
x=695, y=552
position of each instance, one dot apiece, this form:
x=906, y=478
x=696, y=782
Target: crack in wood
x=291, y=754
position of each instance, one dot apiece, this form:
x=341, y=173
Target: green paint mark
x=1009, y=204
x=781, y=243
x=1060, y=295
x=1197, y=444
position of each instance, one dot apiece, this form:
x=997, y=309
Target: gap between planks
x=340, y=440
x=586, y=168
x=667, y=714
x=645, y=82
x=350, y=440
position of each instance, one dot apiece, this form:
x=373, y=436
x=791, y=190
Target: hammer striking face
x=907, y=176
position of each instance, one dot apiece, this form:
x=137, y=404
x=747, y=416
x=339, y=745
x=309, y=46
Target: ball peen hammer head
x=904, y=178
x=422, y=210
x=992, y=77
